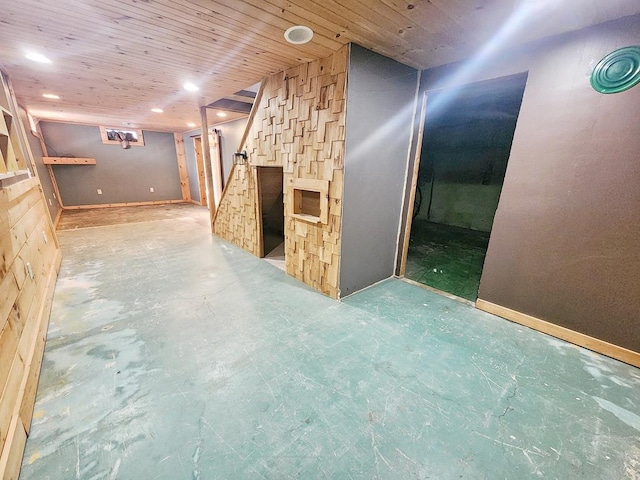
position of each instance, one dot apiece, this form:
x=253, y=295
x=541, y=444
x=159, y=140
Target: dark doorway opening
x=466, y=144
x=270, y=187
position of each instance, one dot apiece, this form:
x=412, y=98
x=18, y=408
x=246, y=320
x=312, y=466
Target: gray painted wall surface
x=41, y=169
x=231, y=133
x=380, y=104
x=122, y=175
x=564, y=243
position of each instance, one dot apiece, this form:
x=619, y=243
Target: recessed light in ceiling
x=191, y=124
x=156, y=110
x=37, y=57
x=221, y=114
x=191, y=87
x=51, y=96
x=298, y=34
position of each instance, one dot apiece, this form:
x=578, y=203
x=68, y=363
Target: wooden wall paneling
x=299, y=125
x=182, y=167
x=206, y=157
x=215, y=154
x=11, y=457
x=27, y=287
x=29, y=263
x=202, y=185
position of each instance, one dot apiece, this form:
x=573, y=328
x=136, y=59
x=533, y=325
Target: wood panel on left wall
x=29, y=263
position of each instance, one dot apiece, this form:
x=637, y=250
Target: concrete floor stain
x=224, y=367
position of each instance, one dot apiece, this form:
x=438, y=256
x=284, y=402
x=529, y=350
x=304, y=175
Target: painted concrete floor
x=175, y=355
x=447, y=258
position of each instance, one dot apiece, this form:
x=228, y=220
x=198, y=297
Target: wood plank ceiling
x=114, y=61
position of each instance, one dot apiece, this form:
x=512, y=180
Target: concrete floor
x=175, y=355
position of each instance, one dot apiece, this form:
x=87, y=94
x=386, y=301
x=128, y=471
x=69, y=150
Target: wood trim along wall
x=577, y=338
x=414, y=185
x=202, y=182
x=255, y=172
x=56, y=220
x=206, y=158
x=126, y=204
x=182, y=167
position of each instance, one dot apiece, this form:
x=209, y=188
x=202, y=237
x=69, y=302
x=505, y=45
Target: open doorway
x=466, y=142
x=270, y=193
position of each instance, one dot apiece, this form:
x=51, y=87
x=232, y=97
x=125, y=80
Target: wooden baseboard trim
x=11, y=455
x=56, y=220
x=115, y=205
x=563, y=333
x=439, y=292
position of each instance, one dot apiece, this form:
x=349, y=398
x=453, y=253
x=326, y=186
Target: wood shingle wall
x=29, y=262
x=299, y=125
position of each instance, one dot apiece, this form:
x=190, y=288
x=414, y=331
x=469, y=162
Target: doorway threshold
x=439, y=292
x=276, y=257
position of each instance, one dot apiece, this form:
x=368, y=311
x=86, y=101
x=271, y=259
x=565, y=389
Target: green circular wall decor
x=618, y=71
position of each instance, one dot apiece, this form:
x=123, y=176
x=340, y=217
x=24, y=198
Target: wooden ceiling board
x=114, y=61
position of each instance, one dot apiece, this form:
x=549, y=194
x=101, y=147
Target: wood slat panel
x=113, y=61
x=298, y=125
x=29, y=262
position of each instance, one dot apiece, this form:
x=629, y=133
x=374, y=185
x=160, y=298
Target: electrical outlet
x=151, y=189
x=99, y=191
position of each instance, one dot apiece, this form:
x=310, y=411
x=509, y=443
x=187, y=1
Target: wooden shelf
x=68, y=161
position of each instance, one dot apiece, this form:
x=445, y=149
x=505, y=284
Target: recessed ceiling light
x=221, y=114
x=298, y=34
x=37, y=57
x=191, y=124
x=51, y=95
x=191, y=87
x=157, y=110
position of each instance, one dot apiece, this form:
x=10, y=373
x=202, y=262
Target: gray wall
x=380, y=104
x=41, y=169
x=564, y=244
x=122, y=175
x=231, y=133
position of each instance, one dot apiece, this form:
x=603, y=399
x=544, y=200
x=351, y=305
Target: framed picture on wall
x=115, y=136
